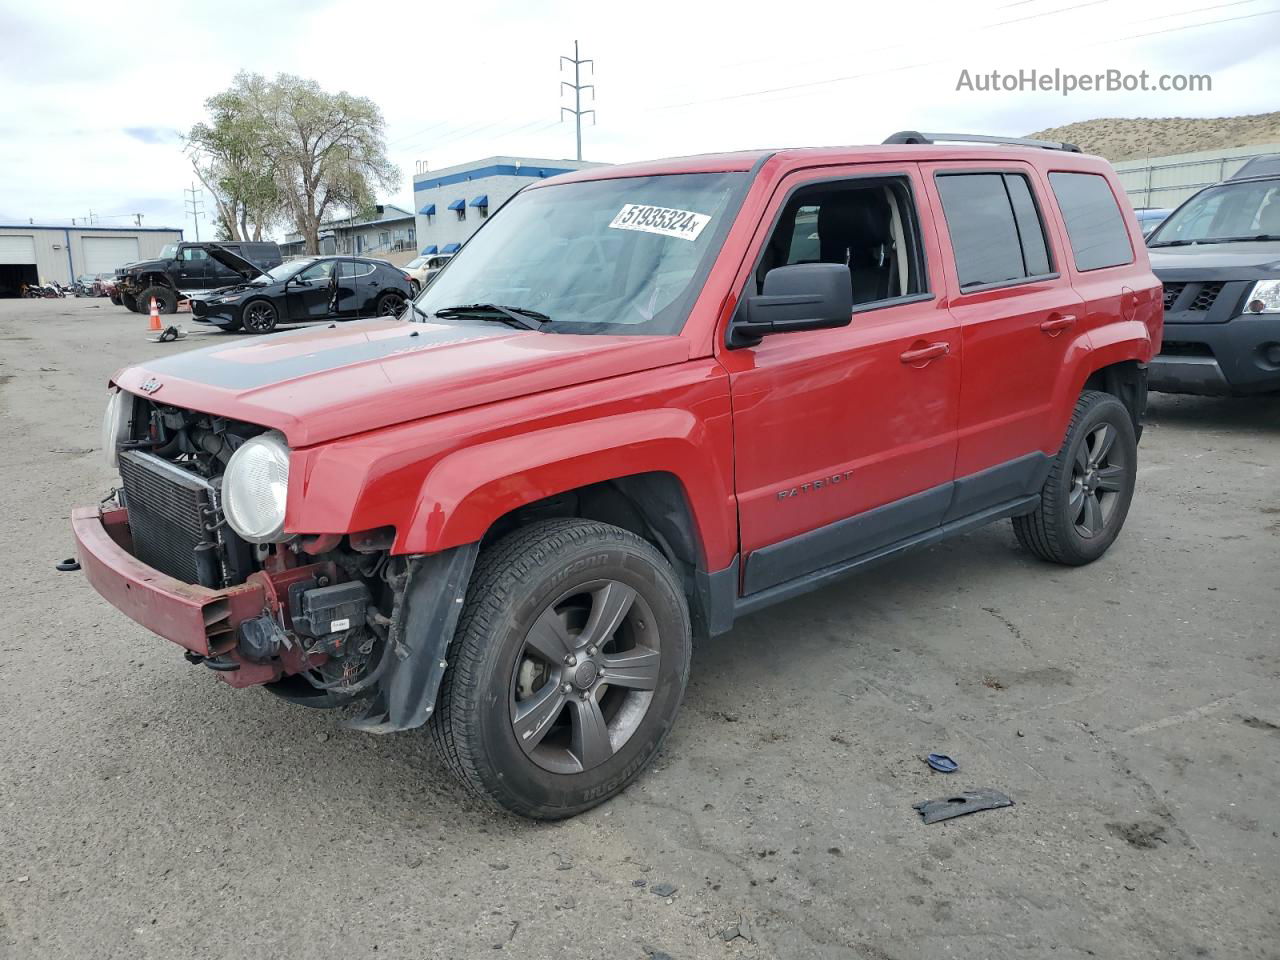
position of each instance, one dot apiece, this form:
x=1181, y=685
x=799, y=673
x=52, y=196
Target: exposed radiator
x=172, y=516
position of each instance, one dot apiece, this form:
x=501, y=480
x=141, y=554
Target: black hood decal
x=219, y=366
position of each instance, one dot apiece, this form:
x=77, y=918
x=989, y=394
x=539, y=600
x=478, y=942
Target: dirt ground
x=1130, y=708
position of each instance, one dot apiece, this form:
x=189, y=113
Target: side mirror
x=799, y=296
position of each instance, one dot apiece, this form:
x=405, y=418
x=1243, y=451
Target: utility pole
x=137, y=218
x=193, y=205
x=577, y=87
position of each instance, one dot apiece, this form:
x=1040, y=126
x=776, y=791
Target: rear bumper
x=1241, y=356
x=196, y=618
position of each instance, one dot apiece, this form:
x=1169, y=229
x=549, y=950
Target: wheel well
x=154, y=280
x=1127, y=381
x=650, y=505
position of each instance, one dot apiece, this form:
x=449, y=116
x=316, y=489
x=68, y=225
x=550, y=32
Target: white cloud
x=84, y=115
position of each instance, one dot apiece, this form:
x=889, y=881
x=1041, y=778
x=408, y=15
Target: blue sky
x=92, y=105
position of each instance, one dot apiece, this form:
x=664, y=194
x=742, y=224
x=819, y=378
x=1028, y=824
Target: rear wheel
x=567, y=670
x=1086, y=498
x=390, y=305
x=259, y=316
x=166, y=300
x=129, y=301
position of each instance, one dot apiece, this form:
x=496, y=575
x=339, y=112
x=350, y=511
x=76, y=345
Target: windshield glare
x=1229, y=210
x=600, y=256
x=168, y=251
x=415, y=263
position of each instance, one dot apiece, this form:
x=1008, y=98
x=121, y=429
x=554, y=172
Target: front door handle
x=1057, y=323
x=923, y=355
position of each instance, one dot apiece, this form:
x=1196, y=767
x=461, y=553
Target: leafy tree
x=328, y=151
x=287, y=148
x=228, y=155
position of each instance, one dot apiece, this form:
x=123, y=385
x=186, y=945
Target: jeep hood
x=234, y=262
x=1244, y=260
x=324, y=383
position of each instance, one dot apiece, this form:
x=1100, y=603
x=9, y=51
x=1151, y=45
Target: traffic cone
x=155, y=316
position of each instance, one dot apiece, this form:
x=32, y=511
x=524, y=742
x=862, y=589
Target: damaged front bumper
x=208, y=622
x=202, y=620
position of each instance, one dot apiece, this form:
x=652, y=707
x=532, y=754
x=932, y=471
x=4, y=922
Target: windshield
x=168, y=251
x=600, y=256
x=284, y=271
x=1229, y=211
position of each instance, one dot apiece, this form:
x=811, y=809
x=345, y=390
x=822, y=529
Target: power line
x=952, y=57
x=577, y=87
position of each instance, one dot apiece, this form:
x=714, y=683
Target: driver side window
x=869, y=225
x=317, y=271
x=192, y=254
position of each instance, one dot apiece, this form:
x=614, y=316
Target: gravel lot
x=1130, y=708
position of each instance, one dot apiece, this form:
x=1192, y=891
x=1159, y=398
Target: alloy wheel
x=1097, y=481
x=584, y=678
x=259, y=317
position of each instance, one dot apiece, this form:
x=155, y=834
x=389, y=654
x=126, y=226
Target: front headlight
x=1264, y=297
x=115, y=424
x=255, y=488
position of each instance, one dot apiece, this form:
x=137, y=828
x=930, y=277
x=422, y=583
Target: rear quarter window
x=1095, y=225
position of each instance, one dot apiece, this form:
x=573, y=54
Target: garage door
x=17, y=249
x=105, y=254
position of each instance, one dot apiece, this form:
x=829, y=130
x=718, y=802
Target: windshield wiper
x=518, y=316
x=1183, y=243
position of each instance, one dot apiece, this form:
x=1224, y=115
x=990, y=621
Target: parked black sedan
x=309, y=288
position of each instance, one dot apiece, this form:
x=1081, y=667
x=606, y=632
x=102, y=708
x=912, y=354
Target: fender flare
x=1127, y=341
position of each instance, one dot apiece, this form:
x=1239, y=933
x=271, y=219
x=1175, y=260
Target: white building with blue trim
x=451, y=203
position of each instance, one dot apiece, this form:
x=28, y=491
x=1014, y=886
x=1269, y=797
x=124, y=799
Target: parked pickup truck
x=642, y=402
x=186, y=268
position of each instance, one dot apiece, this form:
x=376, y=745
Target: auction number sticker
x=665, y=221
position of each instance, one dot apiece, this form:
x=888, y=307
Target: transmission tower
x=194, y=203
x=577, y=87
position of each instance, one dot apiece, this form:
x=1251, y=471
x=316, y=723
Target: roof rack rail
x=915, y=136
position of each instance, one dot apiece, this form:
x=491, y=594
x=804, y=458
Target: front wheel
x=1086, y=498
x=259, y=316
x=567, y=669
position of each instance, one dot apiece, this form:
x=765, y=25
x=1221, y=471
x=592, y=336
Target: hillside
x=1128, y=138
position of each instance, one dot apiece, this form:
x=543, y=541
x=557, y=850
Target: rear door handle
x=926, y=353
x=1057, y=323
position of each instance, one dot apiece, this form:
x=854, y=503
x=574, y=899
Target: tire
x=389, y=305
x=166, y=300
x=556, y=576
x=1084, y=501
x=129, y=301
x=115, y=298
x=259, y=316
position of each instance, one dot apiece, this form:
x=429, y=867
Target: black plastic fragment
x=68, y=565
x=958, y=804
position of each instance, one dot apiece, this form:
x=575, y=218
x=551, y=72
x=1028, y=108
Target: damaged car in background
x=301, y=290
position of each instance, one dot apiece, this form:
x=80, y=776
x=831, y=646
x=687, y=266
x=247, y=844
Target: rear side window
x=1095, y=225
x=996, y=231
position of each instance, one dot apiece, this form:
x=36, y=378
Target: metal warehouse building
x=36, y=253
x=452, y=202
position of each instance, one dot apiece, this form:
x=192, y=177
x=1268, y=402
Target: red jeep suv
x=642, y=401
